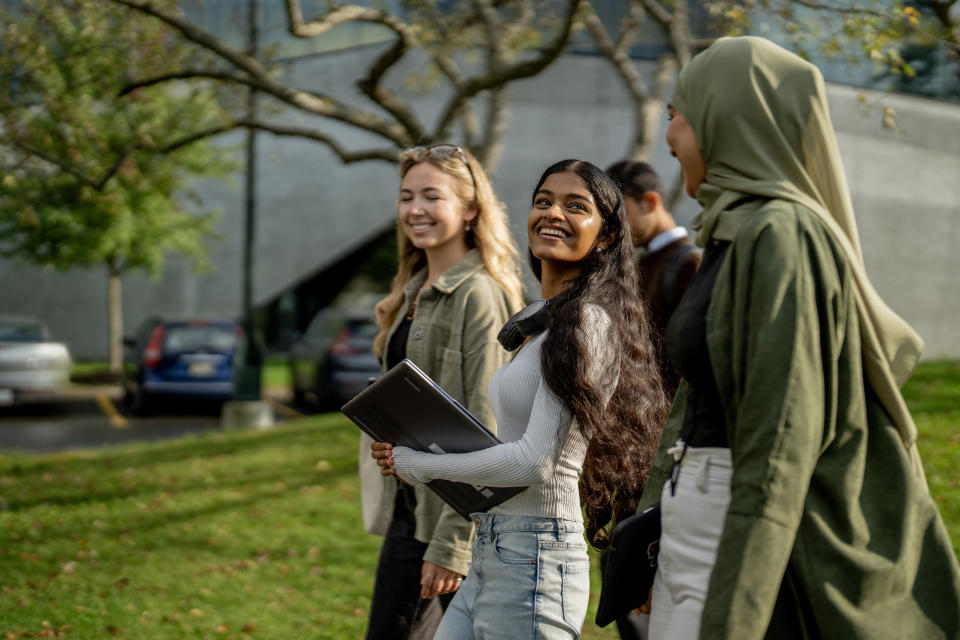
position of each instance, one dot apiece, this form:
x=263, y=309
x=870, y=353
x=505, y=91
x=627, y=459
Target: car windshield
x=180, y=339
x=21, y=332
x=363, y=330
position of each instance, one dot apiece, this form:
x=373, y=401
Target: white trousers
x=691, y=523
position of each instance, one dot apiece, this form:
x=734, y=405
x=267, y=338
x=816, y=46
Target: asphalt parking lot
x=92, y=417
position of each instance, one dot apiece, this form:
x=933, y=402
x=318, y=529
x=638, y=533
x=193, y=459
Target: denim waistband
x=488, y=523
x=718, y=456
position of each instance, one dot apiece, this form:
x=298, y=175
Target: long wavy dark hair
x=624, y=433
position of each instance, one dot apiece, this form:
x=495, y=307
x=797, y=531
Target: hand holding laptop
x=404, y=407
x=382, y=452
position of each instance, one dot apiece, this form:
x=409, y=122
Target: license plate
x=6, y=397
x=201, y=369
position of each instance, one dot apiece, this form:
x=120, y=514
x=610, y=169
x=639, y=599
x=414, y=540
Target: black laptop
x=405, y=407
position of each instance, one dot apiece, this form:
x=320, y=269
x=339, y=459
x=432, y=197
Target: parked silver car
x=31, y=364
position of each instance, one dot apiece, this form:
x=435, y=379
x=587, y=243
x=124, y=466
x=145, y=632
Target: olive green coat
x=830, y=533
x=453, y=338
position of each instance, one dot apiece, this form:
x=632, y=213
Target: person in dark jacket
x=666, y=257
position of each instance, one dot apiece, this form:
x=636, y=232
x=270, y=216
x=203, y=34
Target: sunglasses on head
x=442, y=151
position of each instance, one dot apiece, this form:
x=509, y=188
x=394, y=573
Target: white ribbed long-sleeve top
x=542, y=447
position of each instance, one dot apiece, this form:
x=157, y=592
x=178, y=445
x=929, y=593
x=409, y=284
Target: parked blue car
x=187, y=359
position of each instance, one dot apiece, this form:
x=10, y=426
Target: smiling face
x=564, y=223
x=430, y=211
x=684, y=147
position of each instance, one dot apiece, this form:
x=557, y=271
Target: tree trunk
x=115, y=303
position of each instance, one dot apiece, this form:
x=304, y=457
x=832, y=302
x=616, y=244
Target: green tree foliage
x=914, y=43
x=91, y=177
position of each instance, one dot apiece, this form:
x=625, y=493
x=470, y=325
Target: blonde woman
x=456, y=286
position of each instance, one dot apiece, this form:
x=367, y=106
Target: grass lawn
x=248, y=534
x=276, y=372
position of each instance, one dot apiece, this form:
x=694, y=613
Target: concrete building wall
x=312, y=210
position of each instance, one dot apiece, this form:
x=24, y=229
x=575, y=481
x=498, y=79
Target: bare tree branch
x=370, y=85
x=348, y=157
x=651, y=112
x=680, y=36
x=660, y=13
x=630, y=27
x=338, y=16
x=646, y=109
x=618, y=55
x=451, y=72
x=503, y=75
x=525, y=15
x=188, y=74
x=495, y=130
x=264, y=81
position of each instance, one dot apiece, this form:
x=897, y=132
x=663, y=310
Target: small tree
x=89, y=177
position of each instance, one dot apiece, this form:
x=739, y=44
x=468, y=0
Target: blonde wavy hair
x=490, y=232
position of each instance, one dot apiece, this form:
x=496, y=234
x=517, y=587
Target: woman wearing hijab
x=793, y=502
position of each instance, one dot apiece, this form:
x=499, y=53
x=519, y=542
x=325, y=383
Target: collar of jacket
x=450, y=279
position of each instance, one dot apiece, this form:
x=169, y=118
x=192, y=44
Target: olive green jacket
x=453, y=338
x=829, y=532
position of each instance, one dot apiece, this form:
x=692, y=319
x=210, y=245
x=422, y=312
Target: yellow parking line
x=285, y=410
x=107, y=407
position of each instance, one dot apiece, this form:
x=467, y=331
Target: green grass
x=933, y=394
x=84, y=369
x=201, y=537
x=249, y=534
x=276, y=372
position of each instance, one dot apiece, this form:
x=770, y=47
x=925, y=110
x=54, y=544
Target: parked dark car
x=32, y=365
x=187, y=359
x=333, y=360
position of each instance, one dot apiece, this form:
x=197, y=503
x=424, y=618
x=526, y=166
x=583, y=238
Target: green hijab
x=761, y=119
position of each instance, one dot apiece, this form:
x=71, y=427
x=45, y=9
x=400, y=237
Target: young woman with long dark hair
x=581, y=398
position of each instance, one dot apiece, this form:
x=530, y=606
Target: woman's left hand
x=436, y=580
x=382, y=452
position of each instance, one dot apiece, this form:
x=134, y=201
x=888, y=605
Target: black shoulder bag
x=629, y=565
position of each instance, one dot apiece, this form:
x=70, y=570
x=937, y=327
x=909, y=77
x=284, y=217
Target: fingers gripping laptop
x=406, y=407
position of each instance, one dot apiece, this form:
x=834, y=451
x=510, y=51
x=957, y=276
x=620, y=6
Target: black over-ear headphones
x=529, y=321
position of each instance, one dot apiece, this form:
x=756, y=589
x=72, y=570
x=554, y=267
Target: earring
x=466, y=226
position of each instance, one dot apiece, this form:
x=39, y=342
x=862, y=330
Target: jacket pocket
x=451, y=373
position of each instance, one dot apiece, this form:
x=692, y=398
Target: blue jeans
x=530, y=578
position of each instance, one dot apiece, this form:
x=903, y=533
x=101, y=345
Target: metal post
x=248, y=385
